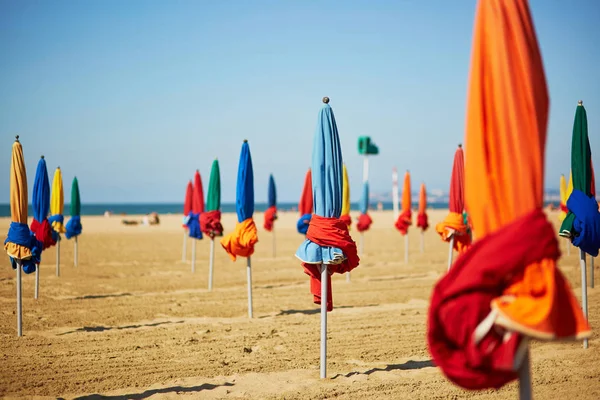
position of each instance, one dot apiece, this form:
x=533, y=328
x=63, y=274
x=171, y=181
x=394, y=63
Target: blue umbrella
x=272, y=192
x=40, y=202
x=364, y=200
x=328, y=247
x=244, y=192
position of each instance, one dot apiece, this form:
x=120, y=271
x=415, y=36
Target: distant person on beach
x=149, y=219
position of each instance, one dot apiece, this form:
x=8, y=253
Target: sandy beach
x=133, y=322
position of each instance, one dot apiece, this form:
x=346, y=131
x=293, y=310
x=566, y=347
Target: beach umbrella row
x=506, y=289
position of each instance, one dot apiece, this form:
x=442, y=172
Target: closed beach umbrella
x=271, y=212
x=22, y=247
x=346, y=200
x=40, y=202
x=454, y=227
x=240, y=243
x=305, y=206
x=563, y=199
x=210, y=220
x=405, y=218
x=56, y=218
x=73, y=227
x=422, y=220
x=328, y=247
x=194, y=227
x=507, y=286
x=187, y=208
x=364, y=220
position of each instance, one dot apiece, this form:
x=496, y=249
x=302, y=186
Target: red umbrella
x=305, y=206
x=187, y=204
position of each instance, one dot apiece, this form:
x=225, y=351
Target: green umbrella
x=581, y=166
x=213, y=199
x=75, y=201
x=73, y=227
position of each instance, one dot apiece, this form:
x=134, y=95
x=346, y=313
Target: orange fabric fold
x=454, y=224
x=242, y=240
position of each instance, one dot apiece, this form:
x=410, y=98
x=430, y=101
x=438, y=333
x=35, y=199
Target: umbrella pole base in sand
x=249, y=277
x=184, y=250
x=406, y=248
x=422, y=242
x=58, y=258
x=525, y=377
x=274, y=243
x=194, y=255
x=324, y=295
x=36, y=292
x=211, y=264
x=76, y=253
x=584, y=303
x=19, y=302
x=450, y=251
x=591, y=272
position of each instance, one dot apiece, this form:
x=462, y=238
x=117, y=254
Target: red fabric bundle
x=422, y=221
x=330, y=232
x=346, y=219
x=404, y=221
x=43, y=232
x=210, y=223
x=364, y=222
x=270, y=217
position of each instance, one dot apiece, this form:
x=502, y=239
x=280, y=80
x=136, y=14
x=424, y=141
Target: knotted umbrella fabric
x=193, y=222
x=327, y=239
x=74, y=227
x=405, y=218
x=41, y=206
x=305, y=206
x=455, y=223
x=271, y=212
x=364, y=219
x=582, y=223
x=210, y=220
x=507, y=284
x=346, y=200
x=422, y=220
x=240, y=243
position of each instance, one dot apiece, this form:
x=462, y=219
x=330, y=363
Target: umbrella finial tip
x=17, y=138
x=245, y=140
x=326, y=100
x=580, y=103
x=42, y=157
x=460, y=145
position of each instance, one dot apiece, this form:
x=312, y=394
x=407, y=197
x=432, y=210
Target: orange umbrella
x=405, y=217
x=422, y=220
x=507, y=285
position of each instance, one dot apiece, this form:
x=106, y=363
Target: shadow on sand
x=317, y=310
x=152, y=392
x=110, y=328
x=101, y=296
x=409, y=365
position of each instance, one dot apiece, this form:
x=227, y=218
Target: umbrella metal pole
x=569, y=247
x=362, y=244
x=584, y=304
x=450, y=252
x=324, y=297
x=525, y=378
x=274, y=244
x=406, y=248
x=249, y=276
x=194, y=255
x=184, y=251
x=58, y=258
x=19, y=303
x=211, y=263
x=366, y=169
x=395, y=193
x=76, y=254
x=591, y=272
x=37, y=281
x=422, y=241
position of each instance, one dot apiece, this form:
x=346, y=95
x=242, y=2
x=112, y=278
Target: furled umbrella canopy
x=41, y=205
x=74, y=225
x=364, y=219
x=193, y=222
x=210, y=220
x=563, y=199
x=305, y=206
x=327, y=239
x=241, y=242
x=507, y=284
x=346, y=200
x=20, y=244
x=57, y=204
x=187, y=203
x=405, y=218
x=582, y=223
x=271, y=211
x=422, y=220
x=455, y=223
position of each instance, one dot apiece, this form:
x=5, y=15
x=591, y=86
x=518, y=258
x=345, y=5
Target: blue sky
x=133, y=96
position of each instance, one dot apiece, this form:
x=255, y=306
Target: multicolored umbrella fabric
x=193, y=222
x=41, y=205
x=422, y=220
x=327, y=239
x=507, y=284
x=271, y=211
x=582, y=223
x=364, y=219
x=305, y=206
x=187, y=203
x=57, y=204
x=405, y=218
x=240, y=243
x=210, y=220
x=455, y=223
x=346, y=200
x=74, y=227
x=20, y=244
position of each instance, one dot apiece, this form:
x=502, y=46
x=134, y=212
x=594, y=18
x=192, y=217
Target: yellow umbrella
x=18, y=202
x=563, y=199
x=57, y=202
x=346, y=200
